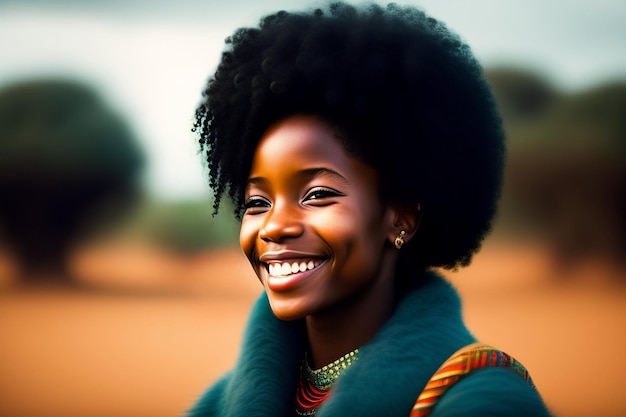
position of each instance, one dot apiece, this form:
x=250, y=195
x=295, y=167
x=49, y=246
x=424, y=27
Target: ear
x=403, y=219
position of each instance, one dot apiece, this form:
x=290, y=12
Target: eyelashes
x=256, y=204
x=321, y=193
x=316, y=196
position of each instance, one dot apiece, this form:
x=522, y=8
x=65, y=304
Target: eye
x=256, y=205
x=321, y=196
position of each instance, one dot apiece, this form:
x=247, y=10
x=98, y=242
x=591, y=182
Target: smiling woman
x=361, y=148
x=309, y=202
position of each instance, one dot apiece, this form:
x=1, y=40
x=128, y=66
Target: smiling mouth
x=284, y=269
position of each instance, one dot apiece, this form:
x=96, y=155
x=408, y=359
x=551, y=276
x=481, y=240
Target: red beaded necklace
x=314, y=385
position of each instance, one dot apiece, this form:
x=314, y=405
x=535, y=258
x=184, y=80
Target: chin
x=285, y=310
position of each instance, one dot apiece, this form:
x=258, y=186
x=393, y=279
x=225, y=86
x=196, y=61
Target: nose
x=281, y=222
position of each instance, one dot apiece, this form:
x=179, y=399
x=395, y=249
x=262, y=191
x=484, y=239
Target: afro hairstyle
x=406, y=95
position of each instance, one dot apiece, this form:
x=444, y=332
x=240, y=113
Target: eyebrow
x=308, y=173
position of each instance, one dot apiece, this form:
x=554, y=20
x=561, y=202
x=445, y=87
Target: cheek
x=353, y=229
x=247, y=236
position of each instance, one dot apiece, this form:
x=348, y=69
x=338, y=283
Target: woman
x=361, y=148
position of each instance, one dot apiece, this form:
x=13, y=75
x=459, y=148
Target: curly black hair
x=406, y=94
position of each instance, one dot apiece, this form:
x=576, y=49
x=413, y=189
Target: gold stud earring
x=399, y=240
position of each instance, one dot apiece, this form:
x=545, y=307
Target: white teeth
x=285, y=269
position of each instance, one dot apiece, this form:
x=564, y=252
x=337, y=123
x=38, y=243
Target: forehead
x=301, y=143
x=301, y=136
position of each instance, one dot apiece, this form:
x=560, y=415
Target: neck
x=351, y=325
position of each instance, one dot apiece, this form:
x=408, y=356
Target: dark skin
x=319, y=238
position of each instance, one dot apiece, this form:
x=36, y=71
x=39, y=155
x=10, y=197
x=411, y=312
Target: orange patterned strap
x=458, y=366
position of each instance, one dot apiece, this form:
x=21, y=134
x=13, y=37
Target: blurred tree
x=184, y=227
x=67, y=165
x=566, y=174
x=522, y=95
x=591, y=120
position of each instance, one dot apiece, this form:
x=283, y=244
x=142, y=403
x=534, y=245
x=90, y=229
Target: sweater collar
x=392, y=369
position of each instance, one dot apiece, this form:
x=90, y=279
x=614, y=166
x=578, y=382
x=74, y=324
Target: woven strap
x=462, y=363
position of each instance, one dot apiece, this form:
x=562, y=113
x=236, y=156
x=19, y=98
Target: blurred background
x=120, y=294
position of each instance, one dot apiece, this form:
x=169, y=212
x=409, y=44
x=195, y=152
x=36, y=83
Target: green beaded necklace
x=314, y=386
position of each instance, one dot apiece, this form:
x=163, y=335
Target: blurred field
x=151, y=330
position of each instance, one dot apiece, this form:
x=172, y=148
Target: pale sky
x=150, y=59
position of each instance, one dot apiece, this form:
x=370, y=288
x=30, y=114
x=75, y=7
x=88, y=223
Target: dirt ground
x=151, y=330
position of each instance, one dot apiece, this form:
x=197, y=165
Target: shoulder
x=480, y=380
x=211, y=402
x=491, y=392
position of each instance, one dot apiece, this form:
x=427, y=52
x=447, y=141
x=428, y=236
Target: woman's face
x=314, y=229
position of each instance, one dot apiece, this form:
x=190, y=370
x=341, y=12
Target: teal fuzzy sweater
x=392, y=369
